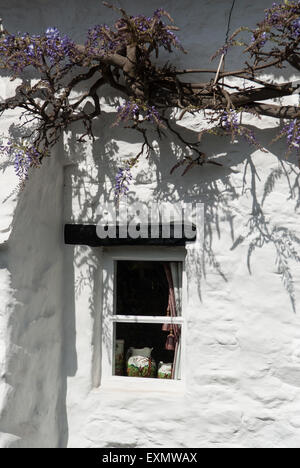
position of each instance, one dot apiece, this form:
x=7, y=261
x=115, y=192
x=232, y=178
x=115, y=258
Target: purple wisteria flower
x=282, y=17
x=58, y=47
x=152, y=115
x=123, y=179
x=292, y=133
x=296, y=28
x=259, y=38
x=24, y=157
x=230, y=123
x=128, y=111
x=102, y=39
x=131, y=110
x=18, y=51
x=158, y=13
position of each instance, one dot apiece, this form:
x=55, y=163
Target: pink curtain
x=173, y=313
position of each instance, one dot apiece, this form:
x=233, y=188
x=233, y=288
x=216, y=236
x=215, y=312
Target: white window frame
x=147, y=253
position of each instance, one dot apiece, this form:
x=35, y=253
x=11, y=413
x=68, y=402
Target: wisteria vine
x=123, y=57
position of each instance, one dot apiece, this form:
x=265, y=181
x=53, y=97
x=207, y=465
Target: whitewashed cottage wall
x=242, y=359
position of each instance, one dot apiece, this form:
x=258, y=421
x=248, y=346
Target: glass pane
x=140, y=350
x=142, y=288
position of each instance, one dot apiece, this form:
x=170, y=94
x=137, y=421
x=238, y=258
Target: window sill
x=140, y=384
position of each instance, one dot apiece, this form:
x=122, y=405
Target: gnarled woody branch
x=122, y=59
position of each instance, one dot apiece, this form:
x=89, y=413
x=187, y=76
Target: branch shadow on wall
x=213, y=186
x=89, y=183
x=217, y=187
x=90, y=180
x=220, y=190
x=33, y=411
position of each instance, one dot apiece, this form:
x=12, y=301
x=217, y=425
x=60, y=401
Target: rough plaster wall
x=30, y=316
x=243, y=349
x=242, y=360
x=31, y=274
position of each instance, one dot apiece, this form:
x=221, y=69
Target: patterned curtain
x=173, y=272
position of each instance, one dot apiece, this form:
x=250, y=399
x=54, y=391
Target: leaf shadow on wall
x=89, y=183
x=33, y=410
x=220, y=189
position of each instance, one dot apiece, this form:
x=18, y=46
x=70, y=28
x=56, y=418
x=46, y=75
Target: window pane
x=142, y=288
x=140, y=350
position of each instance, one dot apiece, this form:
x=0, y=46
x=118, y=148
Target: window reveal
x=147, y=320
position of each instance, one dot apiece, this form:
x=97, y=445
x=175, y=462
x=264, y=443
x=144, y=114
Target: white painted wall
x=31, y=266
x=243, y=337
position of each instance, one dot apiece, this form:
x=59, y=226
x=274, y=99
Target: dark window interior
x=142, y=289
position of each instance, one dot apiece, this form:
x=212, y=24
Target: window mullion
x=146, y=319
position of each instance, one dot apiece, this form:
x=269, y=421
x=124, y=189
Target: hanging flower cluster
x=281, y=26
x=132, y=110
x=291, y=132
x=128, y=111
x=152, y=30
x=230, y=123
x=122, y=56
x=18, y=51
x=123, y=179
x=24, y=157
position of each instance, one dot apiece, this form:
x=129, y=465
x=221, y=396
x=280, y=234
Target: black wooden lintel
x=86, y=234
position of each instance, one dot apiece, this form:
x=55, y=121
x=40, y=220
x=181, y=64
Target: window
x=143, y=322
